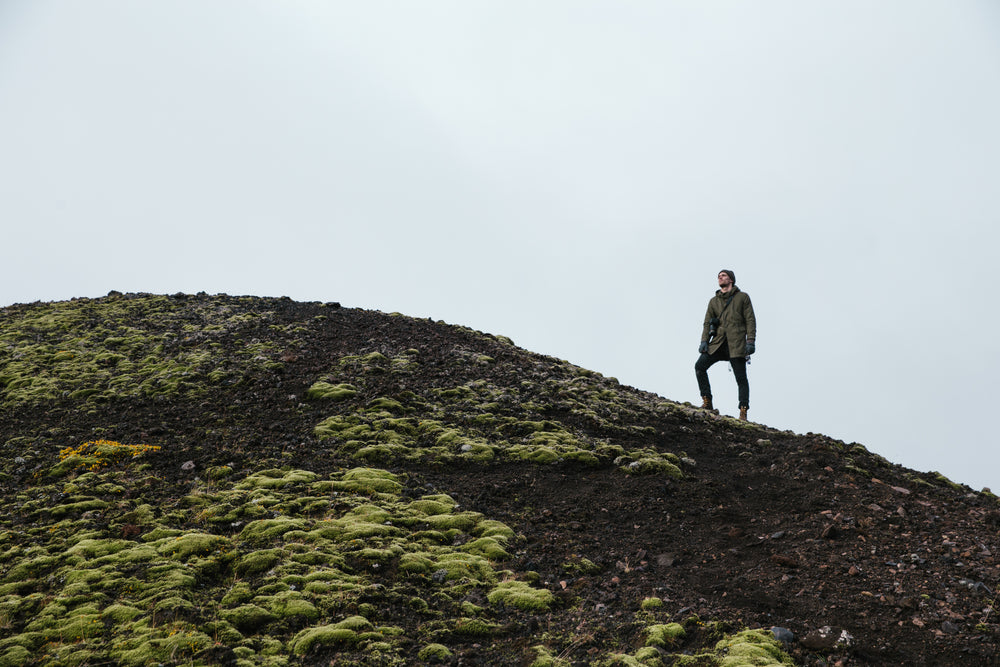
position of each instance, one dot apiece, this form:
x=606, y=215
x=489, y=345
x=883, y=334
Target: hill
x=202, y=480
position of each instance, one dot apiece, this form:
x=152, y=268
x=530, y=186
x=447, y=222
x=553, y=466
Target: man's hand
x=703, y=348
x=750, y=347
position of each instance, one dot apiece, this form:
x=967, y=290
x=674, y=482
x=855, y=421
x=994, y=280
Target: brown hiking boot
x=743, y=414
x=706, y=403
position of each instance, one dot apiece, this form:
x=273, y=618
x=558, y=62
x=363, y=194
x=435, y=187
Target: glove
x=703, y=348
x=750, y=347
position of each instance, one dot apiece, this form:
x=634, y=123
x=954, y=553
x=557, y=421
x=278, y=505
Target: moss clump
x=751, y=648
x=664, y=635
x=370, y=481
x=543, y=658
x=265, y=531
x=248, y=618
x=579, y=565
x=476, y=627
x=276, y=479
x=15, y=656
x=521, y=595
x=258, y=561
x=331, y=392
x=651, y=603
x=338, y=634
x=191, y=544
x=433, y=653
x=653, y=466
x=487, y=547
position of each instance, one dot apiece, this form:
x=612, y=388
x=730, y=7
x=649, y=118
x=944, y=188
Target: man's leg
x=739, y=365
x=701, y=372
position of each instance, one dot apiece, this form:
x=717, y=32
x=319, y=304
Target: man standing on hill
x=728, y=335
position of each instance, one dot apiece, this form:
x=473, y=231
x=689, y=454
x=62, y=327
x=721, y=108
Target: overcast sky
x=571, y=174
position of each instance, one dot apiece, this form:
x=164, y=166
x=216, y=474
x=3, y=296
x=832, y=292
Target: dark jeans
x=739, y=365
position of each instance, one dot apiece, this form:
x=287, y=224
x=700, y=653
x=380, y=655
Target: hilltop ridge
x=209, y=479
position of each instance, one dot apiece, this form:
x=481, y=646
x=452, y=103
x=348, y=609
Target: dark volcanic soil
x=766, y=528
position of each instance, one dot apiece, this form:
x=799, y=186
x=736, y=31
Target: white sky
x=571, y=174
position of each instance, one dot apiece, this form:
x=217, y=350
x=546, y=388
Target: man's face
x=724, y=280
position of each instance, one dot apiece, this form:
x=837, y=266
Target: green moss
x=239, y=593
x=543, y=658
x=248, y=618
x=493, y=528
x=219, y=472
x=664, y=635
x=276, y=479
x=291, y=605
x=120, y=613
x=331, y=392
x=432, y=507
x=265, y=531
x=15, y=656
x=534, y=454
x=751, y=648
x=487, y=547
x=433, y=653
x=653, y=466
x=458, y=566
x=944, y=481
x=521, y=595
x=185, y=546
x=370, y=481
x=651, y=603
x=415, y=563
x=579, y=565
x=338, y=634
x=649, y=656
x=476, y=627
x=258, y=561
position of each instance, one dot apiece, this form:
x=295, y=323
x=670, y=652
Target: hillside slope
x=238, y=480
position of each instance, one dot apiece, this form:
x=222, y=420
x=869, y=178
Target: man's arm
x=750, y=319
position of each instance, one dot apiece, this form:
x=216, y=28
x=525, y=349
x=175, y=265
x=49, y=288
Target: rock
x=827, y=638
x=187, y=466
x=785, y=561
x=783, y=635
x=666, y=560
x=949, y=627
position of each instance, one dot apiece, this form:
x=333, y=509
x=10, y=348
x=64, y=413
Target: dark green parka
x=737, y=323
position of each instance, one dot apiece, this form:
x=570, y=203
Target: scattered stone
x=785, y=561
x=827, y=638
x=783, y=635
x=666, y=560
x=949, y=627
x=187, y=466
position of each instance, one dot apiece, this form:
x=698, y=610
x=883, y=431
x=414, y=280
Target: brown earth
x=766, y=528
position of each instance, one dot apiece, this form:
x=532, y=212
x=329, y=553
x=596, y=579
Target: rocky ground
x=634, y=512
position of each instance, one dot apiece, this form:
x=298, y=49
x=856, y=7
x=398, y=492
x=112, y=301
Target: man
x=728, y=335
